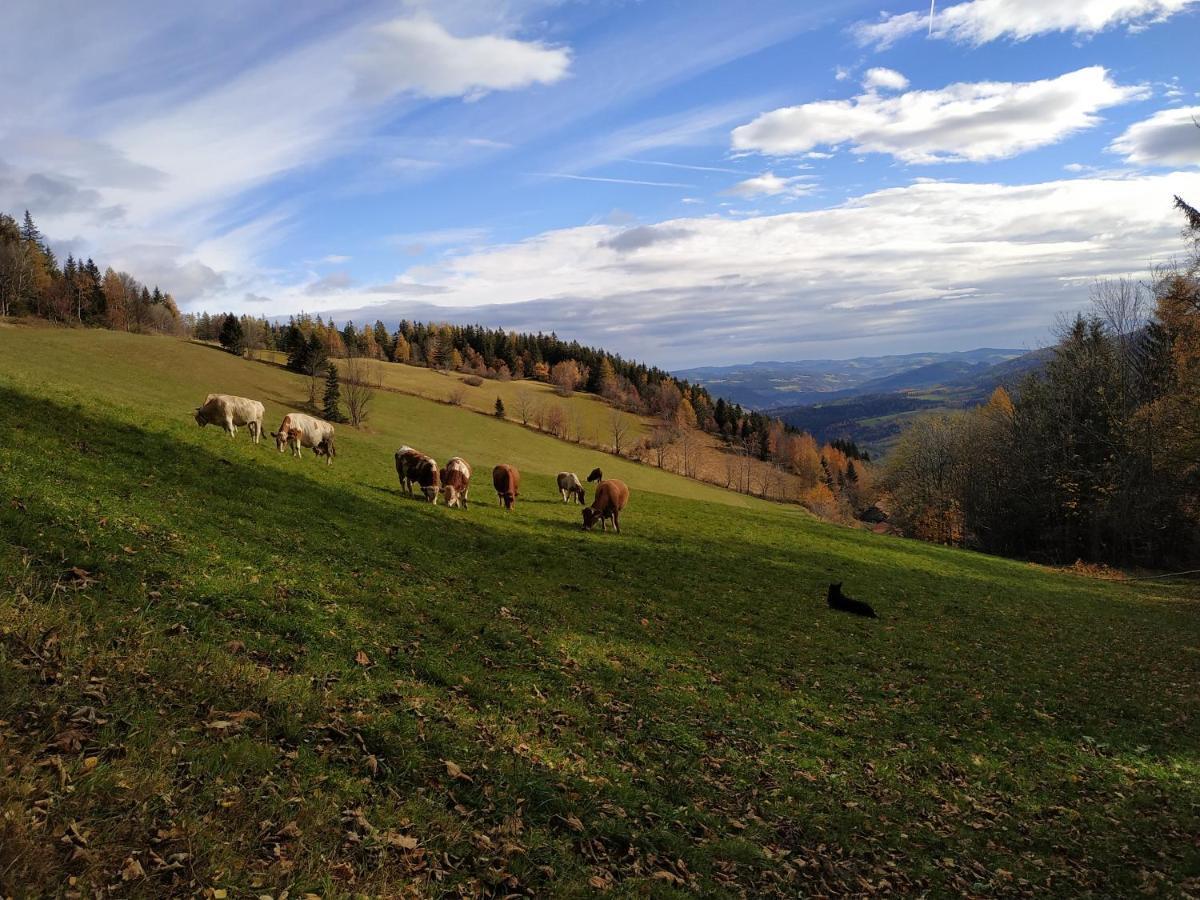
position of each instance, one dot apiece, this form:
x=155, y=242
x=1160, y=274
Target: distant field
x=587, y=418
x=584, y=410
x=226, y=670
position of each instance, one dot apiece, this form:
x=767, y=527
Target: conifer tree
x=332, y=410
x=499, y=408
x=231, y=336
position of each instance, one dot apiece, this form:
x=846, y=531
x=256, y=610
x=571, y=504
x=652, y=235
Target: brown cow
x=507, y=481
x=611, y=497
x=414, y=467
x=456, y=482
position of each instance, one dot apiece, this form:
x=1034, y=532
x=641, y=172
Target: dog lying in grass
x=839, y=601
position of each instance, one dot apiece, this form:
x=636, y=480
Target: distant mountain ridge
x=868, y=399
x=770, y=385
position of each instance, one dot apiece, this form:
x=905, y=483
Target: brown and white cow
x=414, y=467
x=611, y=497
x=456, y=481
x=507, y=481
x=312, y=431
x=570, y=488
x=229, y=412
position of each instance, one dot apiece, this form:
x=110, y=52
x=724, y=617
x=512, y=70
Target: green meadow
x=228, y=672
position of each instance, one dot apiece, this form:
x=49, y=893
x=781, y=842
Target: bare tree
x=689, y=451
x=361, y=379
x=524, y=406
x=457, y=395
x=578, y=422
x=314, y=366
x=618, y=429
x=556, y=420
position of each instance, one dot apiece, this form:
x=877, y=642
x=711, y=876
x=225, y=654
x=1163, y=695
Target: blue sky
x=683, y=182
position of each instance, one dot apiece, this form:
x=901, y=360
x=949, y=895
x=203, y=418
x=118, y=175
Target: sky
x=684, y=182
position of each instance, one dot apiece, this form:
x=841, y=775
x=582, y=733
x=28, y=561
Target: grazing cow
x=596, y=475
x=507, y=481
x=229, y=412
x=312, y=432
x=570, y=488
x=611, y=497
x=456, y=481
x=326, y=449
x=414, y=467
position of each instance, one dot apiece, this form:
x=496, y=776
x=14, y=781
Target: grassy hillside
x=223, y=669
x=585, y=412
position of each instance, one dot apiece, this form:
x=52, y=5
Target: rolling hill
x=773, y=385
x=226, y=672
x=874, y=414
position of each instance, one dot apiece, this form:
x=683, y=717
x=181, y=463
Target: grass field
x=225, y=670
x=585, y=413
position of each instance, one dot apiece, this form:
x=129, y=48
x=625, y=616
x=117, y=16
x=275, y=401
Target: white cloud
x=417, y=55
x=769, y=184
x=931, y=258
x=887, y=79
x=961, y=122
x=981, y=21
x=1167, y=138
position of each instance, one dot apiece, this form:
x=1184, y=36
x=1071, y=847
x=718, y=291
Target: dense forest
x=1095, y=457
x=32, y=283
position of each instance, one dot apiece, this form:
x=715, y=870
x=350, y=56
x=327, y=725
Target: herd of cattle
x=414, y=468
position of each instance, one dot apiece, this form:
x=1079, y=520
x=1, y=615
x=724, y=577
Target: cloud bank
x=961, y=122
x=982, y=21
x=934, y=258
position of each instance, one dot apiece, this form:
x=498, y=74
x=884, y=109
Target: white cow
x=456, y=482
x=570, y=488
x=229, y=412
x=313, y=432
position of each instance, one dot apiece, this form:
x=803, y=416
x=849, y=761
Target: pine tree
x=499, y=408
x=851, y=472
x=29, y=231
x=231, y=336
x=333, y=395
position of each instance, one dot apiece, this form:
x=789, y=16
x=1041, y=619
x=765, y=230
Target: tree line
x=32, y=283
x=498, y=354
x=1095, y=457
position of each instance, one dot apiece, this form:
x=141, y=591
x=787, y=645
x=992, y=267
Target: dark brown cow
x=611, y=497
x=507, y=481
x=414, y=467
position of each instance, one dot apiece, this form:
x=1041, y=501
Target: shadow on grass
x=733, y=602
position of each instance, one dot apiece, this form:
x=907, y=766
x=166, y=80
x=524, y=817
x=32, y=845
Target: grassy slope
x=593, y=413
x=668, y=710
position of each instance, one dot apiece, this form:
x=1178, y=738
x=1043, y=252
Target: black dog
x=837, y=600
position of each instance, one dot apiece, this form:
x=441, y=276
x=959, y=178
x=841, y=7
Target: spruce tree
x=333, y=395
x=231, y=336
x=499, y=408
x=29, y=231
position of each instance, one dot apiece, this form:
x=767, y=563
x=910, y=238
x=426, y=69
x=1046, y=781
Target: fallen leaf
x=132, y=869
x=361, y=658
x=454, y=771
x=402, y=841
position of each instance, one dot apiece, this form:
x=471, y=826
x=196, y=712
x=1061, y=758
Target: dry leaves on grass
x=223, y=723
